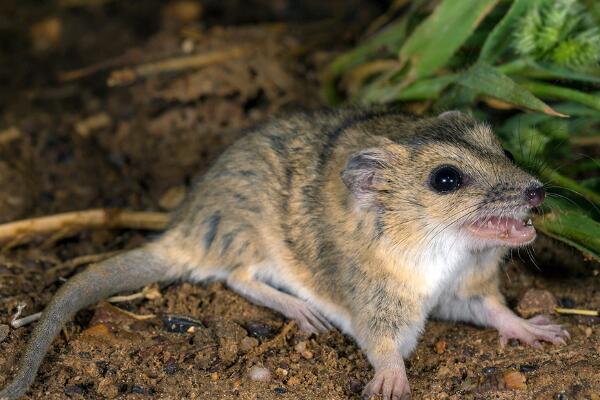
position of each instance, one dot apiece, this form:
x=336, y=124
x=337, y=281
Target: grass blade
x=488, y=81
x=440, y=35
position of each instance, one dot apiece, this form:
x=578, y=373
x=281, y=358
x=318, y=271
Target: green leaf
x=501, y=36
x=574, y=228
x=441, y=34
x=389, y=38
x=424, y=89
x=488, y=81
x=562, y=93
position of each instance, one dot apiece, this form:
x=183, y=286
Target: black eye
x=445, y=179
x=509, y=155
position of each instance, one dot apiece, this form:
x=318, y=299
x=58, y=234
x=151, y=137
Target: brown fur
x=334, y=207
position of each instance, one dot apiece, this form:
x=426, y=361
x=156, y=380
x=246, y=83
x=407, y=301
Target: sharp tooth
x=513, y=231
x=529, y=223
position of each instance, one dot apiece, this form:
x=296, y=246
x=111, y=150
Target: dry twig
x=257, y=351
x=576, y=311
x=19, y=232
x=129, y=75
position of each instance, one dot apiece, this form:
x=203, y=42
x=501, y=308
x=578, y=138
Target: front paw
x=391, y=383
x=532, y=331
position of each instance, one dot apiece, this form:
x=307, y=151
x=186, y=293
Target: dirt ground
x=82, y=125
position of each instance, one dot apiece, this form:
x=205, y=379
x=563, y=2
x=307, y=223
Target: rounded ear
x=452, y=113
x=363, y=171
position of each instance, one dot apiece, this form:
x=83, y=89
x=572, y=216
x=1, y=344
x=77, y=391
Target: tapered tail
x=128, y=271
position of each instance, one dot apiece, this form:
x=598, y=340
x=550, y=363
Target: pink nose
x=535, y=196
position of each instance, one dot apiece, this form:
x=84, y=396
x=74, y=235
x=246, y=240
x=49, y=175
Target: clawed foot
x=391, y=383
x=309, y=320
x=532, y=331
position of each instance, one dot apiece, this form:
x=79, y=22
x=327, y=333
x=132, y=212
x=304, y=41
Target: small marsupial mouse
x=368, y=220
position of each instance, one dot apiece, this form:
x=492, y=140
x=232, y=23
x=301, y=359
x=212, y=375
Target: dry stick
x=576, y=311
x=266, y=345
x=20, y=232
x=128, y=75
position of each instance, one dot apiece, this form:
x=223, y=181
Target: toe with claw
x=533, y=331
x=391, y=383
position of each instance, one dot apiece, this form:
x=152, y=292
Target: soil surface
x=82, y=125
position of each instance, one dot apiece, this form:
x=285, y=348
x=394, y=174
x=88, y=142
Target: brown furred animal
x=368, y=220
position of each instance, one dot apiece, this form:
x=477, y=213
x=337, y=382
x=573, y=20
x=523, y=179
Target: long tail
x=128, y=271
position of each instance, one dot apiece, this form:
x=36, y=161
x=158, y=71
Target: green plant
x=526, y=65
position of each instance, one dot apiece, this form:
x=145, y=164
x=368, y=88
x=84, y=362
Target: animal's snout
x=535, y=195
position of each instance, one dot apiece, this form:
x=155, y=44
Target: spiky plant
x=560, y=32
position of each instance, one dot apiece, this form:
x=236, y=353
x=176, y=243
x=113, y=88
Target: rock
x=260, y=330
x=99, y=331
x=440, y=346
x=214, y=376
x=172, y=198
x=489, y=370
x=301, y=347
x=515, y=380
x=4, y=329
x=567, y=302
x=280, y=390
x=536, y=301
x=281, y=373
x=443, y=371
x=46, y=34
x=171, y=366
x=204, y=337
x=181, y=12
x=293, y=381
x=356, y=386
x=528, y=368
x=248, y=343
x=180, y=323
x=259, y=374
x=228, y=329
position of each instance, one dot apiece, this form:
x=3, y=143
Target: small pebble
x=567, y=302
x=172, y=198
x=4, y=329
x=515, y=380
x=138, y=389
x=259, y=330
x=260, y=374
x=302, y=348
x=248, y=343
x=74, y=389
x=587, y=332
x=489, y=370
x=171, y=366
x=528, y=368
x=356, y=386
x=179, y=323
x=293, y=381
x=280, y=390
x=280, y=372
x=561, y=396
x=214, y=376
x=536, y=301
x=440, y=346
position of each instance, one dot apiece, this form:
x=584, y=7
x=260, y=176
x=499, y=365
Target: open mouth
x=507, y=230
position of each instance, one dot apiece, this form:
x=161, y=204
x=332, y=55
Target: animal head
x=443, y=179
